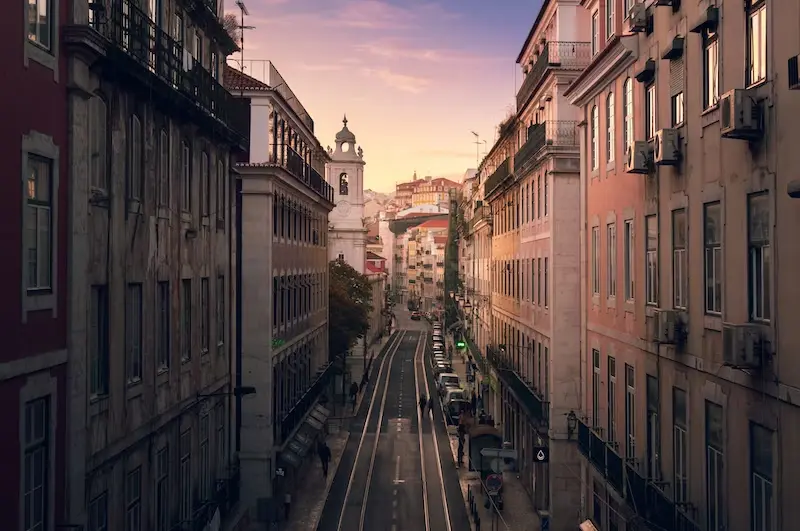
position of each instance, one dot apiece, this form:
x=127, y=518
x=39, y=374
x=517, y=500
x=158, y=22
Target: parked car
x=453, y=393
x=453, y=410
x=447, y=380
x=441, y=367
x=415, y=316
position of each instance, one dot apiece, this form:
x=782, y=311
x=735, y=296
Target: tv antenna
x=242, y=28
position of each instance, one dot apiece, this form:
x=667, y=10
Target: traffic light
x=460, y=344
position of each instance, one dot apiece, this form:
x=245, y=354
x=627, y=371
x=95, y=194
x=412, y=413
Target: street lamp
x=572, y=423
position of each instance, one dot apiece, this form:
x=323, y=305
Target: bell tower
x=345, y=173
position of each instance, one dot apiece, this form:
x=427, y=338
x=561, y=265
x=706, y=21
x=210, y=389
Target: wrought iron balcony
x=302, y=171
x=535, y=407
x=561, y=55
x=646, y=498
x=148, y=59
x=502, y=173
x=296, y=415
x=556, y=134
x=481, y=213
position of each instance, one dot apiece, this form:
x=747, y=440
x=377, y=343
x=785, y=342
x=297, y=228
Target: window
x=650, y=110
x=712, y=237
x=595, y=388
x=220, y=313
x=222, y=458
x=205, y=460
x=205, y=315
x=40, y=23
x=344, y=184
x=198, y=48
x=628, y=5
x=546, y=282
x=186, y=476
x=629, y=256
x=133, y=332
x=630, y=412
x=610, y=125
x=186, y=319
x=612, y=399
x=38, y=224
x=677, y=106
x=760, y=256
x=133, y=500
x=651, y=259
x=762, y=499
x=186, y=177
x=98, y=513
x=710, y=68
x=36, y=465
x=680, y=264
x=177, y=30
x=205, y=185
x=546, y=184
x=214, y=65
x=756, y=41
x=611, y=258
x=163, y=168
x=653, y=429
x=595, y=135
x=715, y=463
x=595, y=32
x=163, y=325
x=609, y=18
x=162, y=490
x=98, y=341
x=221, y=192
x=135, y=155
x=627, y=111
x=98, y=120
x=596, y=260
x=680, y=445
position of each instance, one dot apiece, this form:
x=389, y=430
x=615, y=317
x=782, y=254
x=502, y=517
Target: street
x=394, y=475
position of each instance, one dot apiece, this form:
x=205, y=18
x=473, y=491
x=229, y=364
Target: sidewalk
x=308, y=500
x=518, y=513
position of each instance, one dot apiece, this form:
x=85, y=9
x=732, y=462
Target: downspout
x=237, y=186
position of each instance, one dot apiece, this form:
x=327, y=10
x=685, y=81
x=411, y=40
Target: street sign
x=500, y=453
x=541, y=454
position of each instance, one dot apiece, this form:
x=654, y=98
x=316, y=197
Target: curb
x=329, y=484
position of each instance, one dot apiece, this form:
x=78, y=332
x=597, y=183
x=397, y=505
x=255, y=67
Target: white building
x=345, y=172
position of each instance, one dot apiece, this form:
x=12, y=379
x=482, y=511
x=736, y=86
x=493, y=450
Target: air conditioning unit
x=637, y=18
x=742, y=345
x=667, y=148
x=637, y=158
x=739, y=115
x=666, y=326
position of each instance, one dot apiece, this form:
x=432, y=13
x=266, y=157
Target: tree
x=350, y=304
x=231, y=25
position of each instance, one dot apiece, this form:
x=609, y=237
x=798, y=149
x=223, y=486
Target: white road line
x=375, y=444
x=436, y=446
x=425, y=508
x=393, y=348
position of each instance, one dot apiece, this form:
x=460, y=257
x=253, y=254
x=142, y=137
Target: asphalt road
x=394, y=476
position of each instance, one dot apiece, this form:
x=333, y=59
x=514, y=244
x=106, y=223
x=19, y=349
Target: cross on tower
x=344, y=121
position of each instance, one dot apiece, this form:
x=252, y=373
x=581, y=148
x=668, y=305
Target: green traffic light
x=460, y=344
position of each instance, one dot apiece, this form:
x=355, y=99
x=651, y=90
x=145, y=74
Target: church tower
x=345, y=173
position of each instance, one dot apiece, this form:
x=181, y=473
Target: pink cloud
x=395, y=50
x=402, y=82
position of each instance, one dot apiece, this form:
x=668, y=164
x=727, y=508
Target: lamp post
x=572, y=423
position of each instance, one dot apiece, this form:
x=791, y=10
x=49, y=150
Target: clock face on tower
x=344, y=208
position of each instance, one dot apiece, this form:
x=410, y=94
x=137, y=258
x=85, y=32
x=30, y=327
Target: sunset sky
x=414, y=77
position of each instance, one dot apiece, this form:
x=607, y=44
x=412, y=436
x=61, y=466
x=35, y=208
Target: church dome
x=345, y=135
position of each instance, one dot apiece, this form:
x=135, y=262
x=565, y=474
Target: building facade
x=33, y=365
x=688, y=416
x=283, y=235
x=432, y=191
x=151, y=265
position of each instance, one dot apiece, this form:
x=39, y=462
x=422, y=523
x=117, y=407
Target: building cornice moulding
x=622, y=53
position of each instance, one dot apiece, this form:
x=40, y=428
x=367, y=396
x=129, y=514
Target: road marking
x=397, y=466
x=393, y=348
x=425, y=508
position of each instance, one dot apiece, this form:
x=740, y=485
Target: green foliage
x=350, y=305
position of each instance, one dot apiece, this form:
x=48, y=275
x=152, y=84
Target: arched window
x=610, y=127
x=344, y=182
x=595, y=134
x=627, y=112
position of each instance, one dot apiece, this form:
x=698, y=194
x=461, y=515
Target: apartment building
x=284, y=202
x=33, y=310
x=150, y=265
x=688, y=417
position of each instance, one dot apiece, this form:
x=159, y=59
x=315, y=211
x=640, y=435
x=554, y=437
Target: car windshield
x=450, y=380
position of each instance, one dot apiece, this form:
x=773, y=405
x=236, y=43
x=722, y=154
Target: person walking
x=430, y=405
x=287, y=504
x=324, y=457
x=423, y=401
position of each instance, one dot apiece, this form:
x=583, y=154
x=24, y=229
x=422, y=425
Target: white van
x=448, y=379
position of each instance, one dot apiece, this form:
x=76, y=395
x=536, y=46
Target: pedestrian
x=287, y=504
x=430, y=405
x=324, y=457
x=473, y=402
x=423, y=400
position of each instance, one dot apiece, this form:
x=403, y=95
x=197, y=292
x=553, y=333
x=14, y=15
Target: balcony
x=573, y=56
x=497, y=178
x=537, y=409
x=297, y=414
x=481, y=213
x=555, y=135
x=302, y=171
x=645, y=498
x=142, y=57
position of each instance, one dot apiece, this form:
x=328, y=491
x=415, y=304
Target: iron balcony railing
x=502, y=173
x=132, y=32
x=297, y=414
x=481, y=213
x=302, y=171
x=646, y=498
x=536, y=407
x=562, y=55
x=555, y=133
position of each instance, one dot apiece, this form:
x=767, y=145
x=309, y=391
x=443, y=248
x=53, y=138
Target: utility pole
x=242, y=28
x=477, y=148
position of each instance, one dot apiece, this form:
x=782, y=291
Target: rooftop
x=434, y=224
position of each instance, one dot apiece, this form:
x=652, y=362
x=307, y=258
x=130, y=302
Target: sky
x=414, y=77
